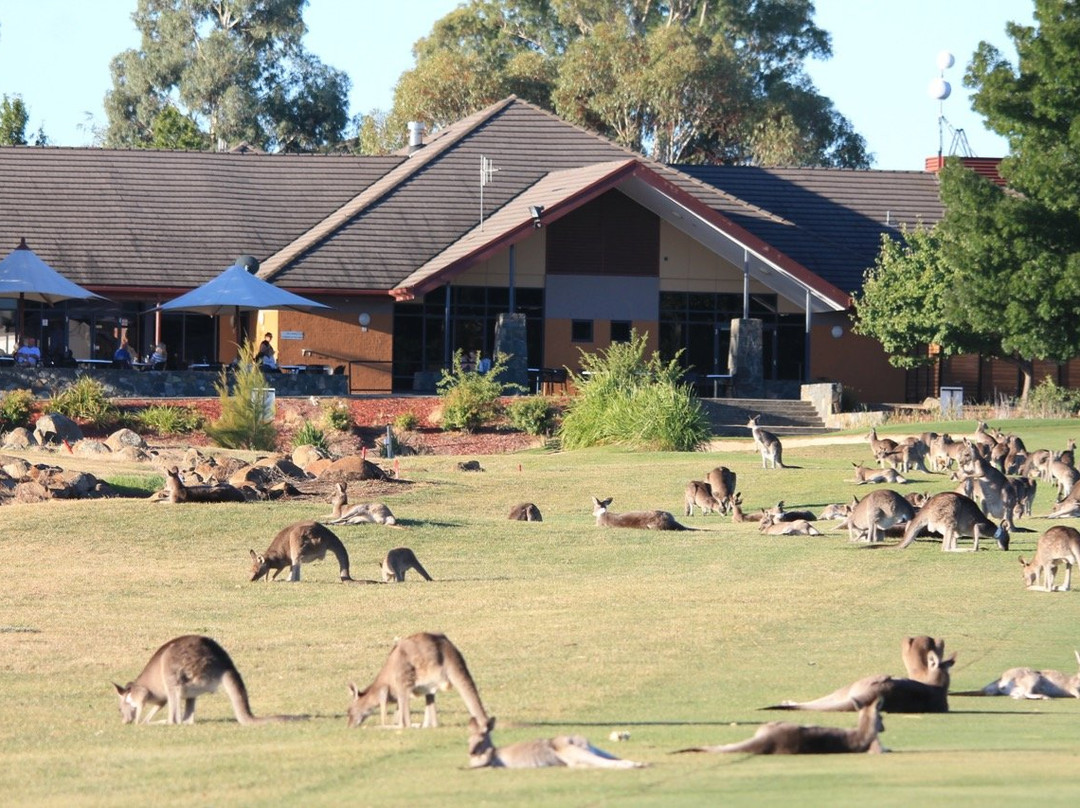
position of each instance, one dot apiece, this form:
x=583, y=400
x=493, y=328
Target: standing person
x=122, y=357
x=265, y=356
x=29, y=354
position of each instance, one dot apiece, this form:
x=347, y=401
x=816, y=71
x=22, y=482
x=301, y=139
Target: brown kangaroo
x=364, y=513
x=783, y=738
x=1027, y=683
x=737, y=514
x=176, y=491
x=525, y=512
x=699, y=493
x=179, y=672
x=772, y=452
x=877, y=512
x=644, y=520
x=926, y=689
x=399, y=561
x=798, y=527
x=722, y=482
x=865, y=476
x=296, y=544
x=1059, y=544
x=563, y=750
x=953, y=515
x=418, y=665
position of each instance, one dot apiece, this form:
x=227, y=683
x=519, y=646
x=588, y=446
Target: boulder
x=56, y=428
x=124, y=437
x=19, y=438
x=91, y=448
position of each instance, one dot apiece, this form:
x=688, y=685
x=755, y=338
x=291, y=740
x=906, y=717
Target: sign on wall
x=292, y=334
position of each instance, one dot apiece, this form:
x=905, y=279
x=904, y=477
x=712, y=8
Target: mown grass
x=678, y=638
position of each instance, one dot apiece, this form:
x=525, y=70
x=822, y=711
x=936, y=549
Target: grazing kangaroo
x=953, y=515
x=1058, y=544
x=784, y=738
x=722, y=481
x=525, y=512
x=699, y=493
x=1023, y=490
x=875, y=513
x=926, y=689
x=573, y=751
x=179, y=672
x=865, y=476
x=299, y=543
x=418, y=665
x=772, y=452
x=799, y=527
x=1027, y=683
x=644, y=520
x=399, y=561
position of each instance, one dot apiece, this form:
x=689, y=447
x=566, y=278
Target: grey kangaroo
x=953, y=515
x=699, y=494
x=643, y=520
x=563, y=750
x=1027, y=683
x=525, y=512
x=772, y=452
x=877, y=512
x=299, y=543
x=399, y=561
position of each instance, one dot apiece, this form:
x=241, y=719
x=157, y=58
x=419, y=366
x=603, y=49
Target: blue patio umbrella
x=24, y=276
x=237, y=290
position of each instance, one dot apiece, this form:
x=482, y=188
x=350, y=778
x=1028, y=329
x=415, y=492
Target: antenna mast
x=487, y=174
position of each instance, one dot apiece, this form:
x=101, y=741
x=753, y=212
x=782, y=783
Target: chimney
x=416, y=136
x=986, y=166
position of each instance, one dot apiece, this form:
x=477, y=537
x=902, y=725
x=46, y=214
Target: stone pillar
x=510, y=340
x=745, y=359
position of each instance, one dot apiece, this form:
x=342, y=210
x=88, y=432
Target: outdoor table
x=89, y=363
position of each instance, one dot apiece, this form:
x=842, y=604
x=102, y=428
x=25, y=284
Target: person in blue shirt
x=122, y=357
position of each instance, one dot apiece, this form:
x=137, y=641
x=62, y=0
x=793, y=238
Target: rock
x=14, y=467
x=124, y=437
x=134, y=453
x=19, y=438
x=91, y=448
x=306, y=454
x=56, y=428
x=352, y=467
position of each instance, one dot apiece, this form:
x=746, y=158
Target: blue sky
x=56, y=53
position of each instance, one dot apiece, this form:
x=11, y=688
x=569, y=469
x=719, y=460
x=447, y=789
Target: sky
x=56, y=54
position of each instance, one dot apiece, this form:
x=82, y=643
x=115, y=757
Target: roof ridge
x=380, y=188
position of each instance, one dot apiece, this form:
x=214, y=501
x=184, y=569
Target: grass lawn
x=678, y=638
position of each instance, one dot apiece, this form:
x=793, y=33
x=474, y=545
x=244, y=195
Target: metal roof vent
x=416, y=135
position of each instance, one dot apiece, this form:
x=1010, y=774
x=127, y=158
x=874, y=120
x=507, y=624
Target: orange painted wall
x=559, y=351
x=857, y=362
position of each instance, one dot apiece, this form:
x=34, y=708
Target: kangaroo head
x=481, y=749
x=600, y=505
x=362, y=705
x=339, y=495
x=258, y=566
x=938, y=669
x=1031, y=573
x=129, y=708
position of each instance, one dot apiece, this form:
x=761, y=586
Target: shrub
x=336, y=415
x=310, y=435
x=532, y=414
x=623, y=398
x=168, y=419
x=85, y=399
x=15, y=408
x=242, y=424
x=406, y=421
x=471, y=399
x=1050, y=400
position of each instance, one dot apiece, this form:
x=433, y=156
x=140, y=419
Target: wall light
x=365, y=320
x=535, y=211
x=837, y=332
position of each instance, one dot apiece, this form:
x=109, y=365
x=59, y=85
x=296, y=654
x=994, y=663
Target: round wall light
x=837, y=332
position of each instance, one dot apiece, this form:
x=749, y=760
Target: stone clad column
x=745, y=359
x=510, y=340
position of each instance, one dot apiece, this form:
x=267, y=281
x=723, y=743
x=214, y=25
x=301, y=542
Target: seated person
x=122, y=357
x=159, y=357
x=29, y=354
x=265, y=356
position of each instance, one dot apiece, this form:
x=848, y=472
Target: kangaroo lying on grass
x=419, y=665
x=783, y=738
x=179, y=672
x=737, y=515
x=953, y=515
x=1058, y=544
x=563, y=750
x=1026, y=683
x=176, y=491
x=525, y=512
x=799, y=527
x=865, y=476
x=925, y=691
x=299, y=543
x=364, y=513
x=643, y=520
x=399, y=561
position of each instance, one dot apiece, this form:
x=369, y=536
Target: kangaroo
x=1023, y=494
x=525, y=512
x=800, y=527
x=944, y=452
x=296, y=544
x=925, y=690
x=876, y=513
x=772, y=452
x=699, y=493
x=176, y=492
x=573, y=751
x=364, y=513
x=784, y=738
x=1026, y=683
x=1064, y=475
x=418, y=665
x=399, y=561
x=1058, y=544
x=991, y=489
x=782, y=515
x=881, y=446
x=737, y=515
x=835, y=511
x=645, y=520
x=953, y=515
x=911, y=454
x=722, y=481
x=179, y=672
x=864, y=476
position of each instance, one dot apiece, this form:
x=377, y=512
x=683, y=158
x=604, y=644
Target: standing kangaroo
x=953, y=515
x=699, y=493
x=722, y=481
x=563, y=750
x=179, y=672
x=1058, y=544
x=926, y=689
x=643, y=520
x=418, y=665
x=299, y=543
x=875, y=513
x=1027, y=683
x=783, y=738
x=772, y=452
x=399, y=561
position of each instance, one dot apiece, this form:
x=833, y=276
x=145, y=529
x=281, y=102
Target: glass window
x=620, y=330
x=581, y=330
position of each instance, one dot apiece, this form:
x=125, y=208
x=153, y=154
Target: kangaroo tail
x=463, y=683
x=423, y=572
x=233, y=685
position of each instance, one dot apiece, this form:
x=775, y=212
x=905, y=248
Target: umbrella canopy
x=25, y=276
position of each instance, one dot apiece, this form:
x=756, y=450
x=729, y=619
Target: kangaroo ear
x=353, y=691
x=1021, y=560
x=254, y=556
x=491, y=723
x=119, y=690
x=933, y=661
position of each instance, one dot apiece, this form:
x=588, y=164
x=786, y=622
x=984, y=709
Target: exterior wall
x=528, y=266
x=559, y=351
x=858, y=363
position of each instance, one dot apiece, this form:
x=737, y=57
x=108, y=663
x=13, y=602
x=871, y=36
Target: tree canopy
x=682, y=81
x=218, y=72
x=13, y=118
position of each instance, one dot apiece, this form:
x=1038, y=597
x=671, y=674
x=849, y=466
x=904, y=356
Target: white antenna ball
x=939, y=89
x=945, y=60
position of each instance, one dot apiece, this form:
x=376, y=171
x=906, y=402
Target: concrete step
x=728, y=416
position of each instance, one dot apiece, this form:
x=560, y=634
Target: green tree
x=13, y=119
x=682, y=81
x=174, y=130
x=235, y=68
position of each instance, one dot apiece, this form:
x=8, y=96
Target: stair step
x=728, y=416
